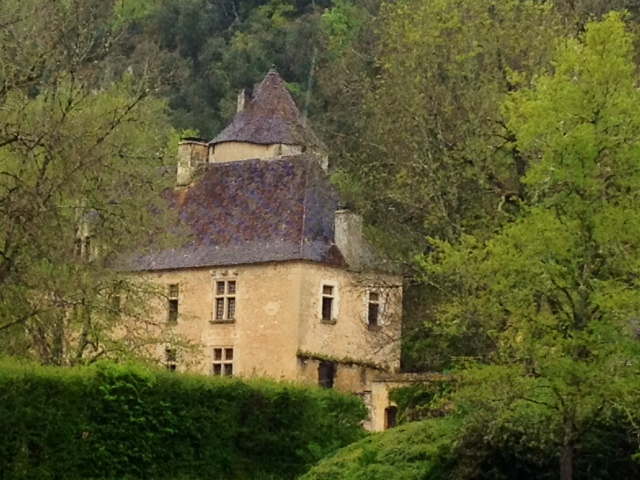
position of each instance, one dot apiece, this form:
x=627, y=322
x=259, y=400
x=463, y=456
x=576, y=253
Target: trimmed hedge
x=114, y=421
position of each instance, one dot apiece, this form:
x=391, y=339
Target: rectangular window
x=174, y=291
x=373, y=311
x=82, y=247
x=225, y=300
x=222, y=361
x=327, y=302
x=171, y=359
x=326, y=374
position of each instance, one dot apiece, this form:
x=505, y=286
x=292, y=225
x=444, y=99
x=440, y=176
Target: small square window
x=222, y=361
x=174, y=289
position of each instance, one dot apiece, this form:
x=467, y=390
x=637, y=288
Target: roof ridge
x=304, y=206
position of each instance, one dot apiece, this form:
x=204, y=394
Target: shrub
x=124, y=421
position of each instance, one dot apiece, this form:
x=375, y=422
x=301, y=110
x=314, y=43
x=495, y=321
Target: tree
x=81, y=144
x=427, y=152
x=554, y=293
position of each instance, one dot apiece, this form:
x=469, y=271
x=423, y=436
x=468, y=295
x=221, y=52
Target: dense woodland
x=491, y=146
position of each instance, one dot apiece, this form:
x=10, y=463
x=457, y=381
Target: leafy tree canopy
x=553, y=295
x=81, y=145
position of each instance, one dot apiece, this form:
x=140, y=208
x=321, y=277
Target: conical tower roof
x=271, y=117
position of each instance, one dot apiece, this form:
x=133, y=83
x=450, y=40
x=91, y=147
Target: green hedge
x=113, y=421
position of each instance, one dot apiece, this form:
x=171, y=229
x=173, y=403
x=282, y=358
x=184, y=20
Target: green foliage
x=217, y=48
x=422, y=400
x=342, y=23
x=436, y=449
x=82, y=148
x=123, y=421
x=554, y=292
x=414, y=451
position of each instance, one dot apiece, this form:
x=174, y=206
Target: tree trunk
x=566, y=462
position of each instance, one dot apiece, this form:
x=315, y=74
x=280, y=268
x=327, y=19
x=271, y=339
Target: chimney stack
x=349, y=239
x=242, y=99
x=192, y=153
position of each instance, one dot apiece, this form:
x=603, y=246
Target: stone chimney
x=242, y=100
x=349, y=239
x=192, y=153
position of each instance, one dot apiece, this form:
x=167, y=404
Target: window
x=225, y=300
x=327, y=302
x=171, y=359
x=223, y=361
x=373, y=308
x=82, y=248
x=390, y=417
x=174, y=291
x=326, y=374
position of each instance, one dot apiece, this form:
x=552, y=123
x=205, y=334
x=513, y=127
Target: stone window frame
x=382, y=307
x=222, y=357
x=335, y=304
x=228, y=298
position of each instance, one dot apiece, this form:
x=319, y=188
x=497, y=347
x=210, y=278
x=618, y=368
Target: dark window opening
x=390, y=417
x=326, y=374
x=171, y=359
x=327, y=307
x=374, y=308
x=327, y=302
x=174, y=290
x=173, y=311
x=77, y=247
x=116, y=304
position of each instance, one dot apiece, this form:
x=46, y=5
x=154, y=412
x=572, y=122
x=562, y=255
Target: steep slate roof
x=253, y=211
x=271, y=117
